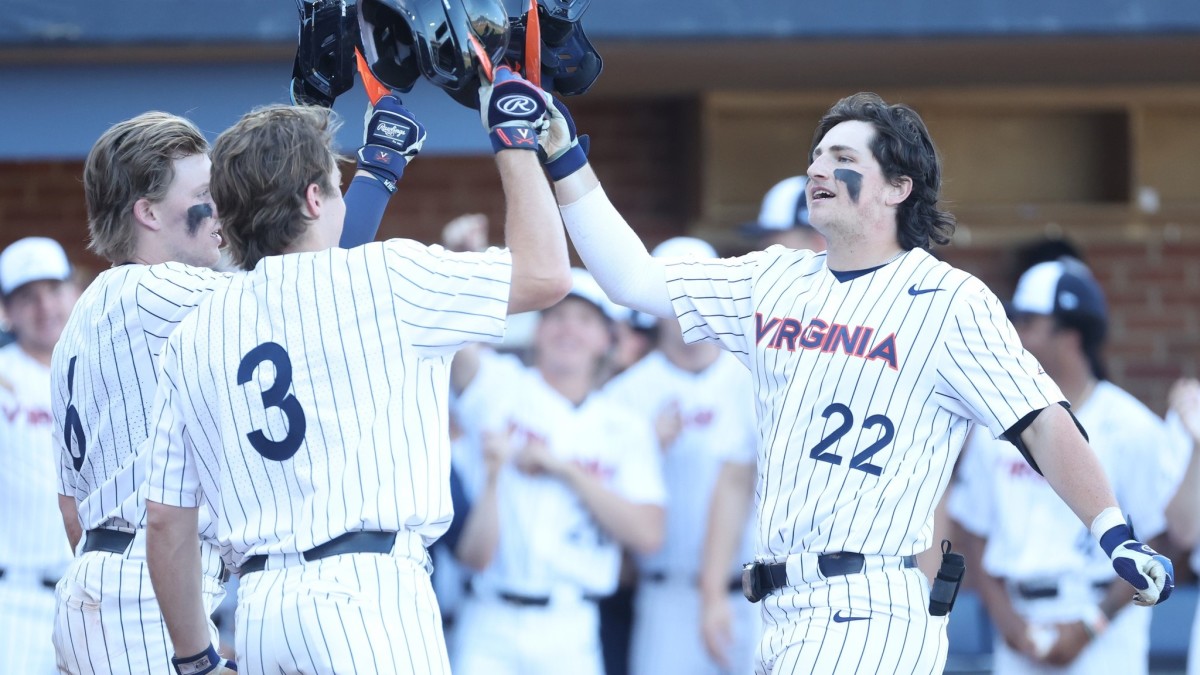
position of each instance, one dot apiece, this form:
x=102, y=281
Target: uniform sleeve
x=639, y=475
x=970, y=500
x=174, y=479
x=449, y=299
x=984, y=373
x=713, y=299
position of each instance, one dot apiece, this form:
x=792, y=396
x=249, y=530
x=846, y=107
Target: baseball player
x=1049, y=588
x=37, y=293
x=870, y=361
x=306, y=402
x=703, y=399
x=783, y=218
x=150, y=213
x=567, y=476
x=1183, y=425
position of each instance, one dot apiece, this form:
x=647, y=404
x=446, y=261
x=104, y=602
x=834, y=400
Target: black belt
x=116, y=541
x=110, y=541
x=1032, y=591
x=46, y=583
x=735, y=585
x=773, y=576
x=350, y=542
x=521, y=600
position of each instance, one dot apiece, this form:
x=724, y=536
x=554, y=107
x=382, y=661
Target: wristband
x=205, y=662
x=1110, y=529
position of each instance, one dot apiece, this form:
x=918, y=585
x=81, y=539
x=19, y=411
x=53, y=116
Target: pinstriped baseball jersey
x=309, y=397
x=104, y=374
x=33, y=536
x=717, y=410
x=865, y=388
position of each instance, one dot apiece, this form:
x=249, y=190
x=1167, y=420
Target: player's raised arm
x=514, y=113
x=1072, y=469
x=610, y=249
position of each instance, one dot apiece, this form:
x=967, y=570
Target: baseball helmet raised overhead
x=446, y=41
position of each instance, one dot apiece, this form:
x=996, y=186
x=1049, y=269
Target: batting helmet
x=446, y=41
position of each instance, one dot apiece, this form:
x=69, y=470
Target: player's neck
x=693, y=358
x=571, y=385
x=42, y=356
x=1078, y=387
x=861, y=253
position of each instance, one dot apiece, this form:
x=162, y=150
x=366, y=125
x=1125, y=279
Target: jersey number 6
x=275, y=397
x=860, y=460
x=73, y=426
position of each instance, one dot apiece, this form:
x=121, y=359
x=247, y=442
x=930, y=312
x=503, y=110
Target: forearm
x=638, y=527
x=732, y=499
x=610, y=249
x=1069, y=464
x=481, y=533
x=173, y=556
x=366, y=200
x=533, y=233
x=70, y=515
x=1183, y=525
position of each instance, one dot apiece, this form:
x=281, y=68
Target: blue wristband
x=205, y=662
x=570, y=161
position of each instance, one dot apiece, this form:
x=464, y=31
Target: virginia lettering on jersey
x=789, y=333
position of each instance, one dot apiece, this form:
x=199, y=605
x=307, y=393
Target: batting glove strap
x=513, y=137
x=207, y=661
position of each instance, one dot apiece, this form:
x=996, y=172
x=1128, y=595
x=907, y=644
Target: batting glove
x=1151, y=573
x=513, y=111
x=393, y=138
x=208, y=661
x=563, y=151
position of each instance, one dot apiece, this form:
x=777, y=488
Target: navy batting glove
x=513, y=111
x=208, y=661
x=562, y=151
x=393, y=138
x=1148, y=571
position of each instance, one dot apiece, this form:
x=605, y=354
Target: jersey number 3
x=860, y=460
x=275, y=397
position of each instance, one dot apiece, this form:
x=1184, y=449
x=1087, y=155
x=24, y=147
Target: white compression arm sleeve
x=615, y=255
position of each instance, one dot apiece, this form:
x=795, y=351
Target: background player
x=783, y=218
x=1048, y=588
x=328, y=514
x=871, y=362
x=1183, y=423
x=703, y=399
x=567, y=475
x=36, y=292
x=150, y=214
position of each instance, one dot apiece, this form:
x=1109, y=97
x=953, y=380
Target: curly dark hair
x=902, y=147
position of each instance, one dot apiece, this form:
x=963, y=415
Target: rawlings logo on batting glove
x=562, y=151
x=393, y=138
x=513, y=111
x=207, y=661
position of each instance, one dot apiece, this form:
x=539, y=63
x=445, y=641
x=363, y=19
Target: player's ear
x=314, y=199
x=899, y=190
x=147, y=217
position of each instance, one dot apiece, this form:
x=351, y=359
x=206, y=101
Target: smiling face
x=846, y=185
x=573, y=336
x=187, y=216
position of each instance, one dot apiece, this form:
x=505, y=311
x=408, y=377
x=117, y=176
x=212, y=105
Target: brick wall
x=645, y=156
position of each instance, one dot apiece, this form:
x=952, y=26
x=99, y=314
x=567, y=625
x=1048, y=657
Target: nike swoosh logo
x=838, y=618
x=912, y=290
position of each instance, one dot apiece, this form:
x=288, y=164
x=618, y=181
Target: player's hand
x=513, y=111
x=716, y=627
x=667, y=425
x=393, y=138
x=535, y=459
x=468, y=232
x=1185, y=401
x=562, y=151
x=1017, y=635
x=1150, y=573
x=497, y=449
x=205, y=663
x=1072, y=638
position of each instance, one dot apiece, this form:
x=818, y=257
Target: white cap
x=785, y=207
x=32, y=259
x=583, y=286
x=684, y=247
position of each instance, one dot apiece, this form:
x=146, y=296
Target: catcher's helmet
x=446, y=41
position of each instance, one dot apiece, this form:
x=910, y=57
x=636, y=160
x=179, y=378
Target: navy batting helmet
x=446, y=41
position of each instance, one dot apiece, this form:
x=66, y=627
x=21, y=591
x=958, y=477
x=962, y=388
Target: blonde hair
x=134, y=159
